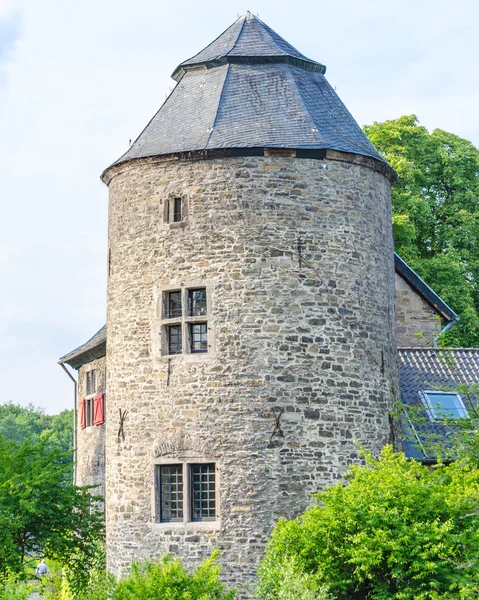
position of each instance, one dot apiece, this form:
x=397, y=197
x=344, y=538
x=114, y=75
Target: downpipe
x=75, y=387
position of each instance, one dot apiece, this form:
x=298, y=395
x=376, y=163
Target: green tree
x=41, y=511
x=436, y=213
x=17, y=423
x=393, y=529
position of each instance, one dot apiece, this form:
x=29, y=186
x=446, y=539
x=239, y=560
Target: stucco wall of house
x=297, y=256
x=417, y=323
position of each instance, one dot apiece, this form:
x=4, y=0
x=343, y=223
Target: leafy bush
x=16, y=590
x=293, y=583
x=83, y=578
x=395, y=529
x=170, y=580
x=167, y=579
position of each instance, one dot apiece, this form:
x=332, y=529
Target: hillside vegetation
x=17, y=423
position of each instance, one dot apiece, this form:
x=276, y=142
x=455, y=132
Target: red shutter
x=82, y=413
x=98, y=410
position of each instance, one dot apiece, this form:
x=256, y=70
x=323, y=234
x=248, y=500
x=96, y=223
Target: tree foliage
x=17, y=423
x=436, y=213
x=41, y=511
x=169, y=579
x=393, y=529
x=166, y=579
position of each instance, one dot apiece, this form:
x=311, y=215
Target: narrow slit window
x=173, y=305
x=197, y=302
x=90, y=382
x=174, y=339
x=177, y=210
x=169, y=486
x=89, y=411
x=199, y=337
x=203, y=492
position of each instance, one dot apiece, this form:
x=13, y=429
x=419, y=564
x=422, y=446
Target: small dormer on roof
x=246, y=91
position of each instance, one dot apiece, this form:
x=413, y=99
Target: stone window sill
x=188, y=527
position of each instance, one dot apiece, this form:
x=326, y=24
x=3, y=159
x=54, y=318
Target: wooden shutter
x=82, y=413
x=98, y=410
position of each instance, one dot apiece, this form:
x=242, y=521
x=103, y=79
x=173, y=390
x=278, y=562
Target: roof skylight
x=444, y=405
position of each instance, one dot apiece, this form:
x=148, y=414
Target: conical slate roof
x=247, y=40
x=250, y=89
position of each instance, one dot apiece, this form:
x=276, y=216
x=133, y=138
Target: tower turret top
x=248, y=41
x=249, y=90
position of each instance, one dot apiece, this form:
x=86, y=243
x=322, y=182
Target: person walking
x=42, y=569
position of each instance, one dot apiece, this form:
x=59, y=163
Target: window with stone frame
x=184, y=321
x=186, y=492
x=175, y=210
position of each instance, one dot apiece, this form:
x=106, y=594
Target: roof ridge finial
x=249, y=15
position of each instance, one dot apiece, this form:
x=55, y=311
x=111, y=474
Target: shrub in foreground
x=393, y=529
x=170, y=580
x=167, y=579
x=13, y=589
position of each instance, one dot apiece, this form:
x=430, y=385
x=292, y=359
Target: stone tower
x=250, y=305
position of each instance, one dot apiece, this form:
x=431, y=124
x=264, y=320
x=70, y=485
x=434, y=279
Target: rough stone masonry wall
x=417, y=323
x=299, y=256
x=90, y=468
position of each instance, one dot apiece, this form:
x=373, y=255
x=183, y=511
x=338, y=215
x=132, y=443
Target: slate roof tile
x=248, y=36
x=250, y=89
x=94, y=348
x=422, y=369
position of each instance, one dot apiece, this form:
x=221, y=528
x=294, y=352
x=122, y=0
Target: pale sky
x=79, y=79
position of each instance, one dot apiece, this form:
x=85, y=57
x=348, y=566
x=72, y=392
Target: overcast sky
x=79, y=79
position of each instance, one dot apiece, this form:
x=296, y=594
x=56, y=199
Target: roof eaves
x=405, y=271
x=429, y=349
x=94, y=348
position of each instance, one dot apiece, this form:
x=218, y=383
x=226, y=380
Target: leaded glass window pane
x=445, y=405
x=203, y=492
x=173, y=305
x=199, y=337
x=169, y=483
x=174, y=339
x=197, y=302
